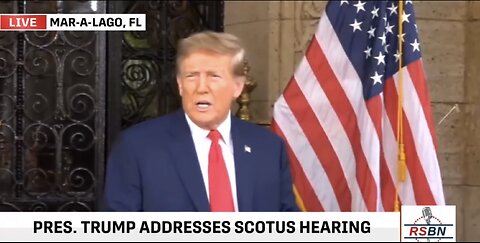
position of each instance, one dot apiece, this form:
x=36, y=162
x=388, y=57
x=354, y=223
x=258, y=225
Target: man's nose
x=202, y=84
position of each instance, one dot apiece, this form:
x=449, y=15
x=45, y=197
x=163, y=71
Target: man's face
x=208, y=87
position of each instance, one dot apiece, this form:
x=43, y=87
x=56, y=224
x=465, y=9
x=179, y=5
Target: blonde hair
x=216, y=42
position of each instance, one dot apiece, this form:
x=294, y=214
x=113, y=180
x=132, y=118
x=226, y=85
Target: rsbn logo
x=428, y=228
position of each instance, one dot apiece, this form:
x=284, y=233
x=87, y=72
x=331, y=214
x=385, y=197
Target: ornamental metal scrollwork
x=38, y=135
x=38, y=207
x=7, y=38
x=79, y=137
x=38, y=182
x=41, y=39
x=53, y=100
x=7, y=104
x=7, y=63
x=79, y=38
x=185, y=20
x=39, y=107
x=80, y=102
x=81, y=61
x=52, y=114
x=40, y=62
x=79, y=181
x=6, y=206
x=75, y=207
x=139, y=80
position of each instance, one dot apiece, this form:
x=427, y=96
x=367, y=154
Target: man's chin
x=205, y=123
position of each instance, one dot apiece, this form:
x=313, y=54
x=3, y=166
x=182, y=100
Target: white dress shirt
x=202, y=147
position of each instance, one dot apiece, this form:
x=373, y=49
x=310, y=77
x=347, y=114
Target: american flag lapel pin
x=247, y=149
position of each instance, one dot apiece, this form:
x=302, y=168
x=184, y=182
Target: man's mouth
x=203, y=104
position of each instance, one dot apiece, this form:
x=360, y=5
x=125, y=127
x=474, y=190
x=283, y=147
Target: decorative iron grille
x=65, y=95
x=52, y=113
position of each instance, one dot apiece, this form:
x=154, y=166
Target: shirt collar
x=223, y=129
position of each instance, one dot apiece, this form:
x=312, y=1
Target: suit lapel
x=244, y=167
x=186, y=161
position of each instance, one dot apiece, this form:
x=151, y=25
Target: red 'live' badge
x=23, y=22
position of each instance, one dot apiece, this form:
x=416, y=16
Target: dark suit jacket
x=153, y=166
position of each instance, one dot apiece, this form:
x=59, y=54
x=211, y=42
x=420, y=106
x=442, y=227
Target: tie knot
x=214, y=135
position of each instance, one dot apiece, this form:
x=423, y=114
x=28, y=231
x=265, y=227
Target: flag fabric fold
x=339, y=113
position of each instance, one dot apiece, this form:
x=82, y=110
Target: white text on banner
x=183, y=226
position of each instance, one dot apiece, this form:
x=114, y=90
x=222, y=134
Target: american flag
x=338, y=113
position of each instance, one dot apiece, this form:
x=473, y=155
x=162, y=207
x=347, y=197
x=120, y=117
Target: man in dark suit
x=201, y=158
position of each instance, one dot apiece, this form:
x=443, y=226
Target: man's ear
x=239, y=84
x=179, y=83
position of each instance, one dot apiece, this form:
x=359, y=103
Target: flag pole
x=401, y=148
x=299, y=199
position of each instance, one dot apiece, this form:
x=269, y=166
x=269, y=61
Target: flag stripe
x=418, y=77
x=327, y=117
x=419, y=181
x=300, y=146
x=387, y=186
x=341, y=82
x=423, y=194
x=297, y=141
x=303, y=186
x=421, y=142
x=315, y=134
x=404, y=189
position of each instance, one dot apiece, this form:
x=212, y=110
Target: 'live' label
x=24, y=22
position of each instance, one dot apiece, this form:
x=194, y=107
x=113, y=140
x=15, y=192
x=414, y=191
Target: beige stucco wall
x=276, y=34
x=471, y=182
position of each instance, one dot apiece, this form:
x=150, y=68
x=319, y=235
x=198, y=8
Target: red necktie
x=221, y=199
